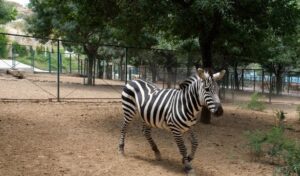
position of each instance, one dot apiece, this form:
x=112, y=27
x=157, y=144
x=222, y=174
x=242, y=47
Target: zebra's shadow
x=166, y=163
x=171, y=165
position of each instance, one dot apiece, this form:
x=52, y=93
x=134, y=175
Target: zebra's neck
x=188, y=102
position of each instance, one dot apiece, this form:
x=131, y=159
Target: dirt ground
x=80, y=138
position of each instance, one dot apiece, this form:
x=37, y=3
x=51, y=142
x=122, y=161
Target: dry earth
x=75, y=138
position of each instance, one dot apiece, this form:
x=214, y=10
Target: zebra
x=172, y=109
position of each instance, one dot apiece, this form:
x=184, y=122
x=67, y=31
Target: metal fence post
x=58, y=71
x=32, y=58
x=254, y=80
x=263, y=81
x=70, y=64
x=126, y=60
x=242, y=79
x=78, y=63
x=49, y=62
x=13, y=57
x=289, y=79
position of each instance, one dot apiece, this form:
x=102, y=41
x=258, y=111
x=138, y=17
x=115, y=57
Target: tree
x=3, y=44
x=209, y=20
x=7, y=12
x=280, y=54
x=85, y=22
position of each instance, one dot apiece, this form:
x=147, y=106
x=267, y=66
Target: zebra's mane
x=188, y=81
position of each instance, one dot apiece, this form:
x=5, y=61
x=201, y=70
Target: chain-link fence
x=60, y=70
x=259, y=80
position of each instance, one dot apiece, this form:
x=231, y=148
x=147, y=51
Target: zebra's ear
x=201, y=73
x=219, y=75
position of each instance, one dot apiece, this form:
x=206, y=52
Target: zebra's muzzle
x=218, y=110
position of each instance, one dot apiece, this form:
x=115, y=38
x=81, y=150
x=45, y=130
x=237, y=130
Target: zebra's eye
x=206, y=89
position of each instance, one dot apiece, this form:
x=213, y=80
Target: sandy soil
x=76, y=138
x=82, y=139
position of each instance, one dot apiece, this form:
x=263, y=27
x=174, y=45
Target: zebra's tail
x=129, y=103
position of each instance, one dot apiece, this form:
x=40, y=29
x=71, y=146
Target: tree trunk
x=153, y=68
x=236, y=77
x=90, y=71
x=122, y=69
x=206, y=38
x=169, y=64
x=278, y=83
x=91, y=52
x=278, y=70
x=206, y=53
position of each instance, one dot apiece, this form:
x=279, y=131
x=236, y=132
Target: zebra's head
x=209, y=91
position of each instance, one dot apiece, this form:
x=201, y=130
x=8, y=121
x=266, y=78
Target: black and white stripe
x=171, y=109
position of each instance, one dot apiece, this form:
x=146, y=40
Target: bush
x=256, y=140
x=255, y=103
x=274, y=144
x=3, y=45
x=20, y=49
x=298, y=110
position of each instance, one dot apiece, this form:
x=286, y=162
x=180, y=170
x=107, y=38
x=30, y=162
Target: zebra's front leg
x=182, y=149
x=194, y=145
x=147, y=134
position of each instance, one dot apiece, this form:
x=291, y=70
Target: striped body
x=161, y=108
x=171, y=109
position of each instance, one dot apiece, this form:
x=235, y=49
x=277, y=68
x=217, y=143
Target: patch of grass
x=256, y=103
x=256, y=140
x=298, y=111
x=273, y=144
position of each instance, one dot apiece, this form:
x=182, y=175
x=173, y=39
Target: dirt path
x=81, y=139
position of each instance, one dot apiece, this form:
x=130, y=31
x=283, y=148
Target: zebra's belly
x=156, y=123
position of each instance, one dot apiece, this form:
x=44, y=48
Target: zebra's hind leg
x=122, y=138
x=147, y=134
x=194, y=145
x=126, y=121
x=182, y=149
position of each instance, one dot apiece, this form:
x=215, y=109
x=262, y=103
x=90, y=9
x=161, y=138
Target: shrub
x=19, y=49
x=298, y=111
x=3, y=45
x=255, y=103
x=274, y=144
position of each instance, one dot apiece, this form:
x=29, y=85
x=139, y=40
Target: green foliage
x=7, y=12
x=275, y=145
x=19, y=49
x=233, y=29
x=298, y=111
x=255, y=103
x=256, y=139
x=3, y=45
x=293, y=161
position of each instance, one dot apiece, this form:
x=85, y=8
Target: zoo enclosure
x=167, y=68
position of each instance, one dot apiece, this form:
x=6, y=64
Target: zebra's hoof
x=121, y=152
x=188, y=169
x=191, y=172
x=158, y=156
